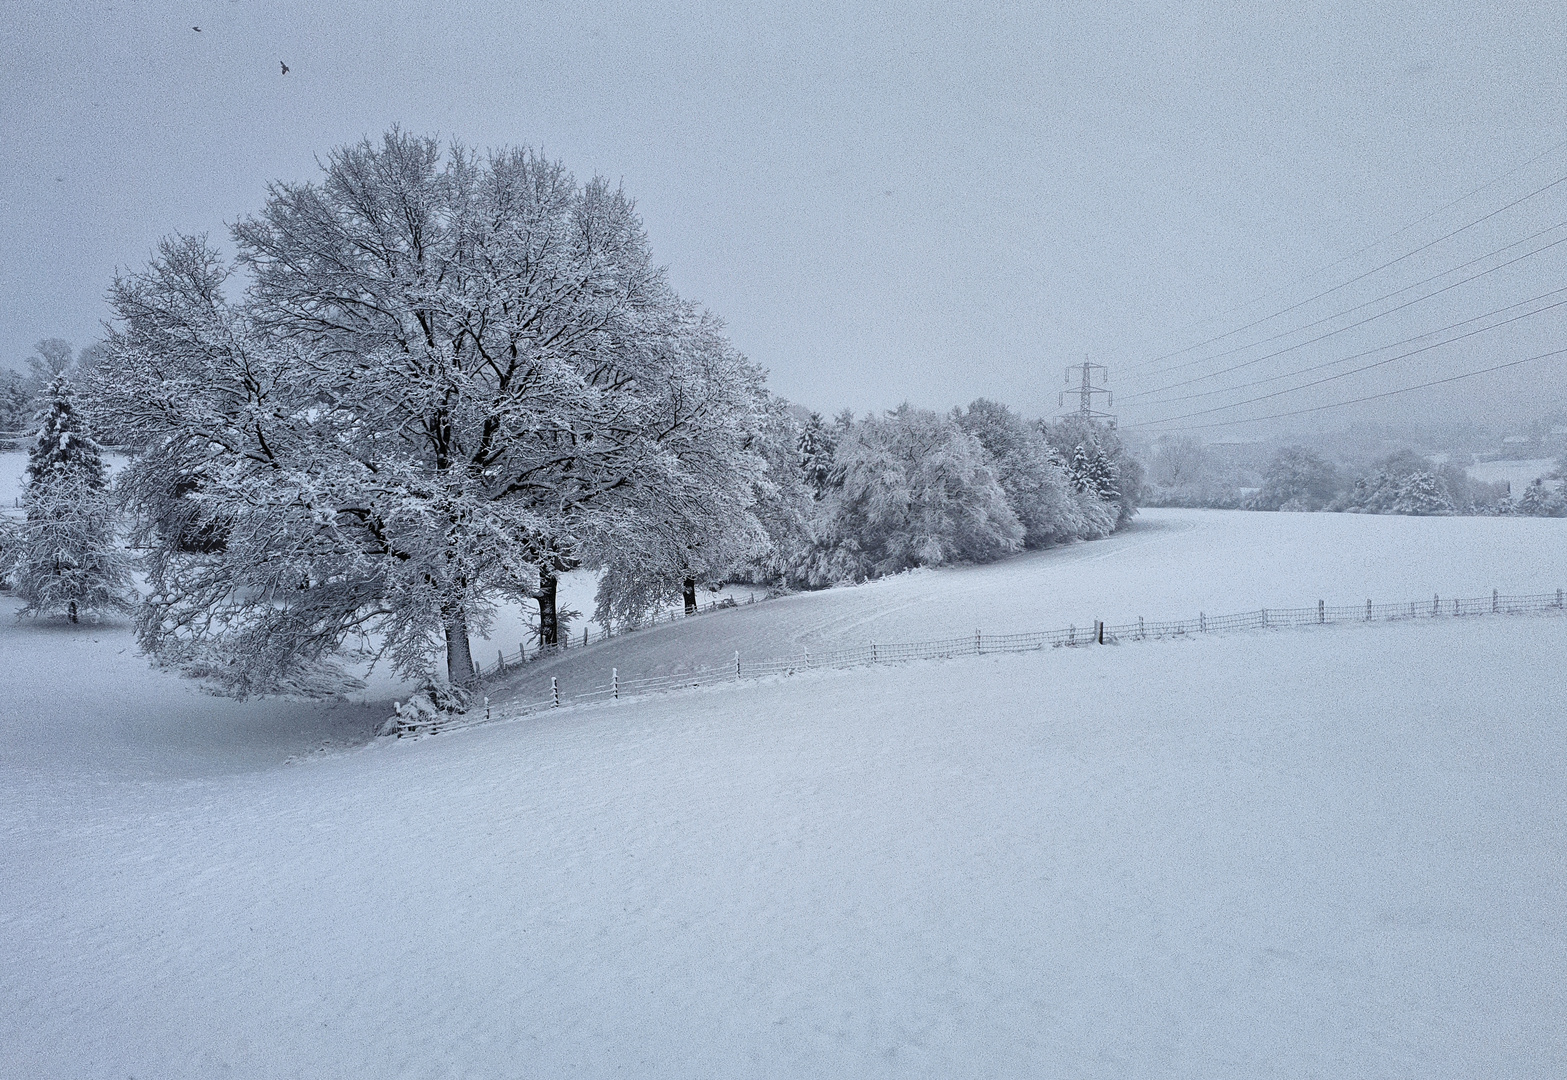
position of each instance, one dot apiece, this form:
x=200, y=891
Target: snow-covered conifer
x=64, y=559
x=1422, y=494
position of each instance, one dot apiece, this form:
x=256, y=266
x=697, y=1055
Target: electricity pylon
x=1085, y=391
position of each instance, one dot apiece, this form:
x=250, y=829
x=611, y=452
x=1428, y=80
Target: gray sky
x=886, y=202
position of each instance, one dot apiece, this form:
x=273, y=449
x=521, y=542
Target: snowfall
x=1320, y=852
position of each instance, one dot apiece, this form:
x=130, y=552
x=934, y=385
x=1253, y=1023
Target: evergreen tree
x=1422, y=494
x=15, y=413
x=64, y=558
x=817, y=444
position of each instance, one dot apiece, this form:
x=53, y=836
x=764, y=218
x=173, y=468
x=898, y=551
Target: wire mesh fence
x=983, y=644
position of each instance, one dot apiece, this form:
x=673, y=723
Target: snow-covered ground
x=1170, y=564
x=1326, y=852
x=1519, y=474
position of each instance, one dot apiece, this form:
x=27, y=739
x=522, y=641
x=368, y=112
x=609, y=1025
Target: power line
x=1354, y=371
x=1375, y=270
x=1357, y=307
x=1369, y=397
x=1382, y=348
x=1362, y=250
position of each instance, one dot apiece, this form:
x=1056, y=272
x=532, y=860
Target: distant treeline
x=1183, y=472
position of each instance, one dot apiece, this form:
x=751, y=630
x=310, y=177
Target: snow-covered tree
x=916, y=490
x=15, y=409
x=1539, y=500
x=63, y=559
x=1422, y=494
x=1037, y=487
x=1099, y=465
x=449, y=379
x=1297, y=479
x=816, y=445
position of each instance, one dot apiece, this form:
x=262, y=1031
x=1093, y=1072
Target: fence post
x=500, y=662
x=737, y=665
x=1141, y=631
x=1496, y=598
x=873, y=652
x=1202, y=622
x=1558, y=598
x=1072, y=634
x=979, y=648
x=614, y=682
x=1436, y=604
x=554, y=693
x=584, y=635
x=1455, y=605
x=1099, y=631
x=807, y=657
x=1264, y=618
x=1322, y=615
x=522, y=653
x=1368, y=610
x=486, y=708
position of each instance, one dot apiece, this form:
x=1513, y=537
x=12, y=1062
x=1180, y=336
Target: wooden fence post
x=737, y=665
x=1322, y=615
x=1099, y=631
x=554, y=693
x=1202, y=622
x=486, y=708
x=873, y=652
x=1436, y=604
x=1141, y=630
x=614, y=682
x=500, y=662
x=1264, y=618
x=979, y=648
x=1496, y=601
x=1368, y=610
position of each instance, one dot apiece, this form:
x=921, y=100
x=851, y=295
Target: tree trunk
x=549, y=625
x=459, y=657
x=689, y=588
x=73, y=610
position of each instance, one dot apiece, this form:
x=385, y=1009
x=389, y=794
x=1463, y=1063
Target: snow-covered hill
x=1324, y=852
x=1170, y=564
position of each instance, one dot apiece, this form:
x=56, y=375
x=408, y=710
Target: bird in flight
x=283, y=66
x=197, y=29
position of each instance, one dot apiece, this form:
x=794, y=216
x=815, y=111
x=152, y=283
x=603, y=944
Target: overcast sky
x=885, y=202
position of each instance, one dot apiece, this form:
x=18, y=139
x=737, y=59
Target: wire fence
x=982, y=644
x=507, y=664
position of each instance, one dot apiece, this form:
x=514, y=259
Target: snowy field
x=1171, y=564
x=1328, y=852
x=1518, y=474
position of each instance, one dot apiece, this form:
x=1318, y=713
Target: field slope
x=1325, y=852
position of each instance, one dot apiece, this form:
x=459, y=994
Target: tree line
x=1184, y=473
x=433, y=381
